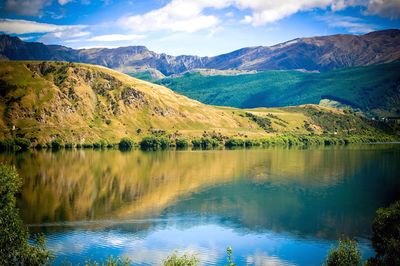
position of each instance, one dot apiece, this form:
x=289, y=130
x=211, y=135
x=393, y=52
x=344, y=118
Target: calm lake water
x=273, y=206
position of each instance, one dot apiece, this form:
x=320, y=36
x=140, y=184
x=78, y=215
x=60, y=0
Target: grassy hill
x=82, y=103
x=373, y=89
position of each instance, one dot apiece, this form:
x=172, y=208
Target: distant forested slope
x=374, y=89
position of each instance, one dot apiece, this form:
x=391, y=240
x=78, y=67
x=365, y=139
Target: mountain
x=316, y=53
x=373, y=89
x=85, y=103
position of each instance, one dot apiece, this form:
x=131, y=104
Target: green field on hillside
x=373, y=89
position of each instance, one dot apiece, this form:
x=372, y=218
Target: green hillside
x=79, y=103
x=373, y=89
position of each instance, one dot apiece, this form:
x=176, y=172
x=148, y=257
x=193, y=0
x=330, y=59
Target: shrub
x=184, y=260
x=229, y=252
x=252, y=142
x=345, y=254
x=68, y=145
x=56, y=144
x=155, y=142
x=386, y=236
x=110, y=145
x=181, y=143
x=40, y=146
x=234, y=143
x=78, y=146
x=87, y=145
x=7, y=144
x=205, y=143
x=14, y=246
x=111, y=261
x=126, y=144
x=23, y=143
x=97, y=145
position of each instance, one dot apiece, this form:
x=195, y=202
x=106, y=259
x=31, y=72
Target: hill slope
x=373, y=89
x=84, y=103
x=316, y=53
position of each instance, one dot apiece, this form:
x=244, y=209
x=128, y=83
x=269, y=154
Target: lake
x=275, y=206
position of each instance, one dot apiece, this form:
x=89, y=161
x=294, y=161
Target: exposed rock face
x=316, y=53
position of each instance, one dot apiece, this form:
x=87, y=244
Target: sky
x=195, y=27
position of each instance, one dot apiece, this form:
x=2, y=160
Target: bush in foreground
x=386, y=236
x=184, y=260
x=14, y=246
x=345, y=254
x=111, y=261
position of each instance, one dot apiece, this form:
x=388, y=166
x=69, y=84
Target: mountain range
x=313, y=54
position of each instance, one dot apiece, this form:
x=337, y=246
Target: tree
x=14, y=246
x=345, y=254
x=386, y=236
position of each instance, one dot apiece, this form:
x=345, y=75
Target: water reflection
x=303, y=198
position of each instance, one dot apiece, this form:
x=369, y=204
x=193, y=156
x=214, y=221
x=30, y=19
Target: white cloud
x=264, y=12
x=178, y=15
x=19, y=26
x=52, y=33
x=351, y=24
x=116, y=37
x=189, y=16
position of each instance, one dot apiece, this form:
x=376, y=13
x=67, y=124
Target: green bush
x=68, y=145
x=229, y=252
x=79, y=146
x=181, y=143
x=111, y=261
x=252, y=142
x=14, y=246
x=205, y=143
x=234, y=143
x=126, y=144
x=56, y=144
x=40, y=146
x=184, y=260
x=23, y=143
x=386, y=236
x=110, y=145
x=87, y=145
x=154, y=142
x=345, y=254
x=7, y=144
x=97, y=145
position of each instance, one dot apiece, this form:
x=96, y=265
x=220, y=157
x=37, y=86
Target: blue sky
x=198, y=27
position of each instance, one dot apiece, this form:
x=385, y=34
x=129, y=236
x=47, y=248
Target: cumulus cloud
x=178, y=15
x=351, y=24
x=116, y=37
x=26, y=7
x=19, y=26
x=190, y=16
x=51, y=32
